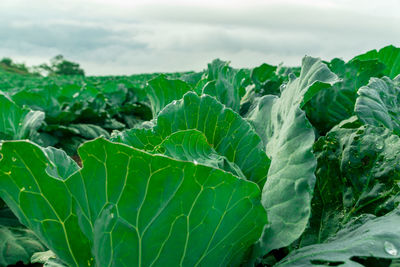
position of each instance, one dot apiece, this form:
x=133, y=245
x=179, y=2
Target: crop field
x=263, y=166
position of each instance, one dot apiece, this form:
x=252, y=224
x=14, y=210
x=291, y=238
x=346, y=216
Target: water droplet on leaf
x=390, y=248
x=379, y=145
x=195, y=162
x=13, y=159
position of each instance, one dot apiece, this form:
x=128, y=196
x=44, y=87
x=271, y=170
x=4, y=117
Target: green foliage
x=163, y=211
x=81, y=108
x=225, y=167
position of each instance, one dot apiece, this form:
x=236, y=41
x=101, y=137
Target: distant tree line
x=9, y=65
x=58, y=66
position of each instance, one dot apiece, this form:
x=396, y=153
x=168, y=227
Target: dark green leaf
x=389, y=55
x=16, y=242
x=358, y=172
x=366, y=236
x=336, y=103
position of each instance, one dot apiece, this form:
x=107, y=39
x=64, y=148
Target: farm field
x=267, y=166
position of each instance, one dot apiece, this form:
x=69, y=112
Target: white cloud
x=124, y=37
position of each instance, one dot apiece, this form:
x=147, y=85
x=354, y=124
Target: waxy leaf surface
x=289, y=137
x=378, y=104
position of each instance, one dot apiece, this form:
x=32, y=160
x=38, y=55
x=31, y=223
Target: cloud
x=151, y=36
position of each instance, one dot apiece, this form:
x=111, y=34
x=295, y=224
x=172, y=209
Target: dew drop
x=13, y=159
x=379, y=145
x=195, y=162
x=22, y=189
x=390, y=248
x=174, y=102
x=75, y=95
x=112, y=215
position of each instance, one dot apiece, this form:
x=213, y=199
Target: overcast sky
x=136, y=36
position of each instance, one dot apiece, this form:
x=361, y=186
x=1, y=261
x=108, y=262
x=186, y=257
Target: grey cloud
x=65, y=37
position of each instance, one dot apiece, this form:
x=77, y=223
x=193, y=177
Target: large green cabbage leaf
x=226, y=131
x=126, y=206
x=289, y=137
